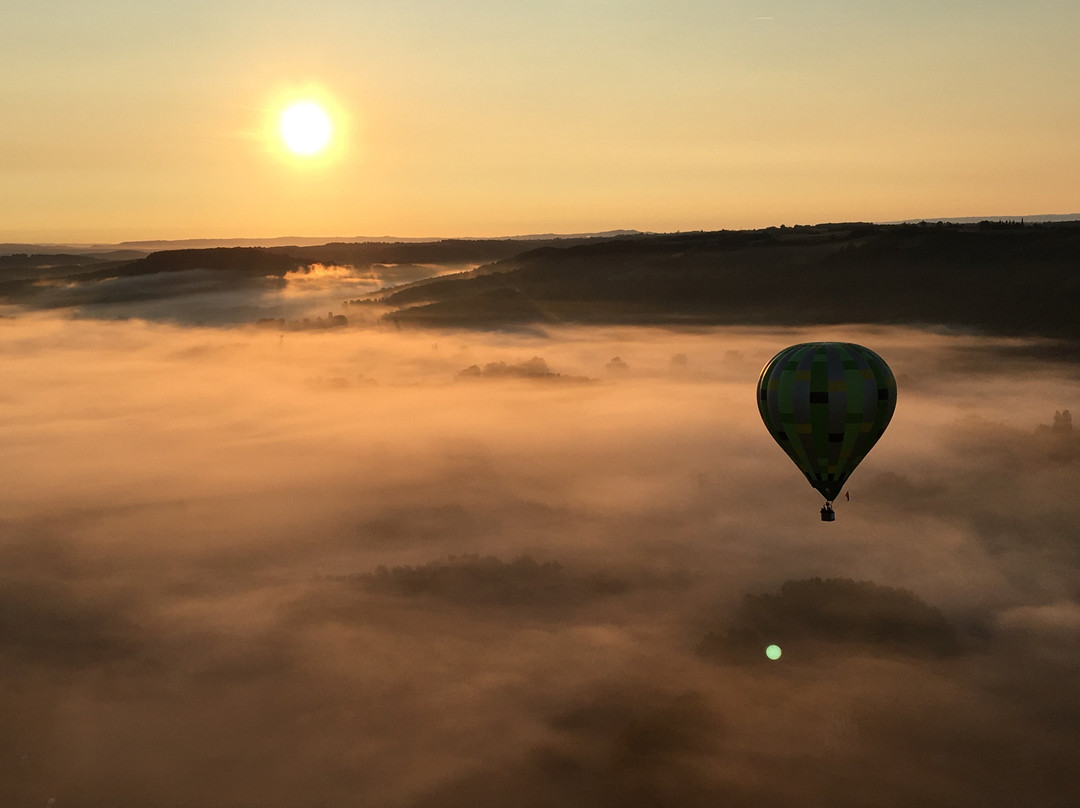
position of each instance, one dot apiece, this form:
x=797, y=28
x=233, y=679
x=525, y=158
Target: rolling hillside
x=993, y=277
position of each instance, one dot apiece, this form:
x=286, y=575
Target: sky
x=241, y=567
x=125, y=120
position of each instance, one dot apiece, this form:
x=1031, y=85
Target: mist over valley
x=416, y=557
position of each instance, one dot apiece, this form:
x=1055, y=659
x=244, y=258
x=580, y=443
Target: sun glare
x=306, y=128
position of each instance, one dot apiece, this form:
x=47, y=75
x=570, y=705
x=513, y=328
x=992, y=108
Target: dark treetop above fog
x=1007, y=278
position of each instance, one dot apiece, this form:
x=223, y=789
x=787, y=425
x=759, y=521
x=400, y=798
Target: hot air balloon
x=826, y=404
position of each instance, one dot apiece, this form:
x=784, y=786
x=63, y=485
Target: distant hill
x=137, y=249
x=19, y=266
x=157, y=245
x=995, y=277
x=238, y=261
x=95, y=279
x=310, y=241
x=111, y=252
x=447, y=251
x=1041, y=217
x=563, y=236
x=161, y=275
x=354, y=252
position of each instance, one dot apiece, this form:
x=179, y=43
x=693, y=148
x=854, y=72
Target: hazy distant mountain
x=111, y=252
x=279, y=241
x=137, y=249
x=310, y=241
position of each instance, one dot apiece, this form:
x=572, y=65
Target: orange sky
x=126, y=120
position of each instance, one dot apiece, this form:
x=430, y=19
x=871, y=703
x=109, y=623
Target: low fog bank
x=221, y=297
x=240, y=567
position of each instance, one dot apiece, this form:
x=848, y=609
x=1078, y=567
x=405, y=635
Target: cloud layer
x=241, y=568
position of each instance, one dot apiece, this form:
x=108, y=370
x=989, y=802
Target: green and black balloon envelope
x=826, y=404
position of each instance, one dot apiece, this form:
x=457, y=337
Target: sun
x=306, y=128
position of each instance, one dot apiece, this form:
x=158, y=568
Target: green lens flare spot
x=773, y=652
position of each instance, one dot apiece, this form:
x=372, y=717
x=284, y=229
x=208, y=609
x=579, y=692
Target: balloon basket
x=827, y=513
